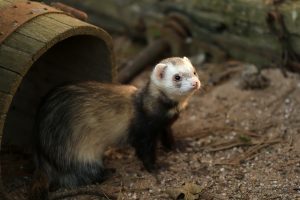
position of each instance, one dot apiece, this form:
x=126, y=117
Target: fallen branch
x=228, y=145
x=291, y=162
x=277, y=102
x=250, y=153
x=150, y=54
x=213, y=130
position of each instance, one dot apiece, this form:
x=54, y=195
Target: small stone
x=134, y=196
x=239, y=176
x=287, y=101
x=251, y=78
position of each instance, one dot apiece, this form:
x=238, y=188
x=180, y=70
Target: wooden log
x=240, y=28
x=150, y=54
x=244, y=25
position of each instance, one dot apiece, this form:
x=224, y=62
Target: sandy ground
x=231, y=144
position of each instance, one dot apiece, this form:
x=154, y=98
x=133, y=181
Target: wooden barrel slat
x=5, y=100
x=51, y=24
x=36, y=31
x=68, y=20
x=2, y=121
x=11, y=81
x=14, y=59
x=24, y=43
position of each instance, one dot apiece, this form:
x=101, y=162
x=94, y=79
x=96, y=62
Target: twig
x=229, y=145
x=280, y=99
x=291, y=162
x=212, y=130
x=254, y=150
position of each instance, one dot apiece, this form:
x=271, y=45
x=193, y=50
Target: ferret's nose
x=196, y=84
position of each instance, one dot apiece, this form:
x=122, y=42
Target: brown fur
x=75, y=125
x=102, y=126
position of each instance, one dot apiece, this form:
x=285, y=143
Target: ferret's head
x=176, y=77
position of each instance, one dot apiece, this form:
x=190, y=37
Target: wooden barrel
x=42, y=52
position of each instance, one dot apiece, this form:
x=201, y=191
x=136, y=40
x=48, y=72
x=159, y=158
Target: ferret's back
x=84, y=119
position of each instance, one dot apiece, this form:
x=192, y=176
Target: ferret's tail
x=40, y=186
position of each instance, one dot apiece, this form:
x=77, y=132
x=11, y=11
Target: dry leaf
x=188, y=191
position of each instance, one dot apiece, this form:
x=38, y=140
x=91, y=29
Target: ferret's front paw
x=107, y=173
x=110, y=171
x=169, y=147
x=151, y=168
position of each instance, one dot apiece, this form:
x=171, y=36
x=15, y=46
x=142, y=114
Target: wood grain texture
x=9, y=81
x=24, y=43
x=14, y=60
x=36, y=31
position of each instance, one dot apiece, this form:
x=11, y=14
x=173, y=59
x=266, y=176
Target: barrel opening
x=77, y=58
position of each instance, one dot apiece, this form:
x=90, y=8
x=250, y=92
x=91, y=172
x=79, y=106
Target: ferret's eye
x=177, y=77
x=195, y=73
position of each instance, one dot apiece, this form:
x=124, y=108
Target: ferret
x=77, y=122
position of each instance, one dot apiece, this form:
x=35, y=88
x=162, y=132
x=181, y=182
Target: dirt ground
x=231, y=144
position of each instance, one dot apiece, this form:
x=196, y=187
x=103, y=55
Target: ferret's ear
x=186, y=59
x=160, y=70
